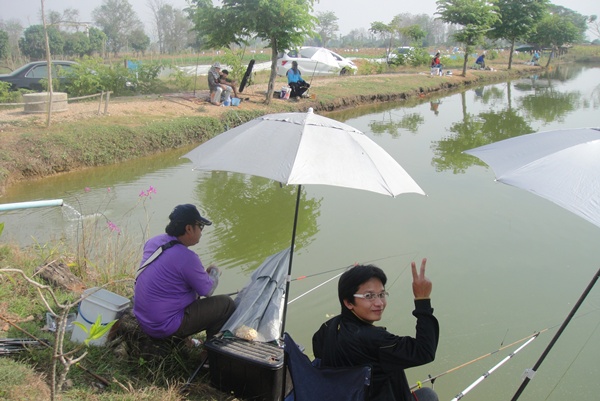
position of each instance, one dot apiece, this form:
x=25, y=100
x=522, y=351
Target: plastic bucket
x=97, y=302
x=235, y=101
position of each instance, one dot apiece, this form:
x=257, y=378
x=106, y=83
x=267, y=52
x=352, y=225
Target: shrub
x=182, y=80
x=147, y=77
x=83, y=79
x=6, y=95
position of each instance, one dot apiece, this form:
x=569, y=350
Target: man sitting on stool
x=217, y=89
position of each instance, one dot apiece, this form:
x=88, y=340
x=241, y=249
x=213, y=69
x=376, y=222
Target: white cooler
x=97, y=302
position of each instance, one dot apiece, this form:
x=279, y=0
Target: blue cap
x=188, y=214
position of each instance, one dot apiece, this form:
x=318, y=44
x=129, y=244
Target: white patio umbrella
x=320, y=55
x=562, y=166
x=304, y=148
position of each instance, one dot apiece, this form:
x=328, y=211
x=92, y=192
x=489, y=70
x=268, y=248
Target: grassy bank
x=30, y=150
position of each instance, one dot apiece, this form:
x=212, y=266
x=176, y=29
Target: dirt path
x=167, y=105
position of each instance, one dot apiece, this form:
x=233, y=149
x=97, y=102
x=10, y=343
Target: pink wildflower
x=113, y=227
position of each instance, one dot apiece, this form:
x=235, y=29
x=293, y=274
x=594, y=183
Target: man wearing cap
x=172, y=295
x=218, y=89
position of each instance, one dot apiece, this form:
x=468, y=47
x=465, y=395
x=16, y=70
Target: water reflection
x=474, y=131
x=543, y=104
x=253, y=217
x=392, y=126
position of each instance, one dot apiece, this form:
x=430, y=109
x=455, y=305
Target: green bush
x=182, y=80
x=418, y=57
x=368, y=67
x=92, y=76
x=83, y=79
x=6, y=95
x=147, y=77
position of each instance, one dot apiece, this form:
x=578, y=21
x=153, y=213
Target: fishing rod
x=330, y=271
x=47, y=344
x=432, y=379
x=489, y=372
x=302, y=278
x=336, y=276
x=531, y=372
x=314, y=288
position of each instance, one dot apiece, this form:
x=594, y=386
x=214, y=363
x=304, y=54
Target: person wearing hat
x=217, y=89
x=173, y=290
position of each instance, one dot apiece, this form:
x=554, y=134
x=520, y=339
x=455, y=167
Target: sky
x=352, y=14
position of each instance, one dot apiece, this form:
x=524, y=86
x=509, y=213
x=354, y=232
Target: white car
x=314, y=61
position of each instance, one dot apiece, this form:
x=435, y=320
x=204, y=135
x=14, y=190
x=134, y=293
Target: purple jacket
x=167, y=286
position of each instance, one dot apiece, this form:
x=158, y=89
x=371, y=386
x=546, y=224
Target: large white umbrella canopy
x=305, y=148
x=562, y=166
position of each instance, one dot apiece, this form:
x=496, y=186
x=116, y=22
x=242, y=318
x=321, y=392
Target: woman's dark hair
x=176, y=228
x=354, y=277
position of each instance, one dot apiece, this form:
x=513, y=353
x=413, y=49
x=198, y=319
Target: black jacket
x=346, y=340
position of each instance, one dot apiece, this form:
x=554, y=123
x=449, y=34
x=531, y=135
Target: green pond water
x=504, y=263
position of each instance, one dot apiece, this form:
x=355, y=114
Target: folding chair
x=324, y=384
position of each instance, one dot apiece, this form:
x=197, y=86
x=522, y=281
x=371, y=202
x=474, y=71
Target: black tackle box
x=251, y=370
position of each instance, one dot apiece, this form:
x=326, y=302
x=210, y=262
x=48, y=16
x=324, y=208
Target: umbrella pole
x=287, y=284
x=313, y=74
x=555, y=338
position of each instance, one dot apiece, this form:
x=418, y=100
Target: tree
x=579, y=21
x=554, y=31
x=155, y=6
x=4, y=45
x=327, y=26
x=77, y=44
x=476, y=17
x=385, y=32
x=117, y=20
x=518, y=21
x=97, y=41
x=60, y=21
x=33, y=42
x=283, y=24
x=139, y=41
x=415, y=33
x=172, y=27
x=594, y=25
x=14, y=29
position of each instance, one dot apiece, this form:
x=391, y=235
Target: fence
x=104, y=97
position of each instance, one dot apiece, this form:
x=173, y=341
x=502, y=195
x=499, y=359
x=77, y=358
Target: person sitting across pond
x=218, y=90
x=352, y=339
x=480, y=62
x=229, y=81
x=436, y=62
x=298, y=85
